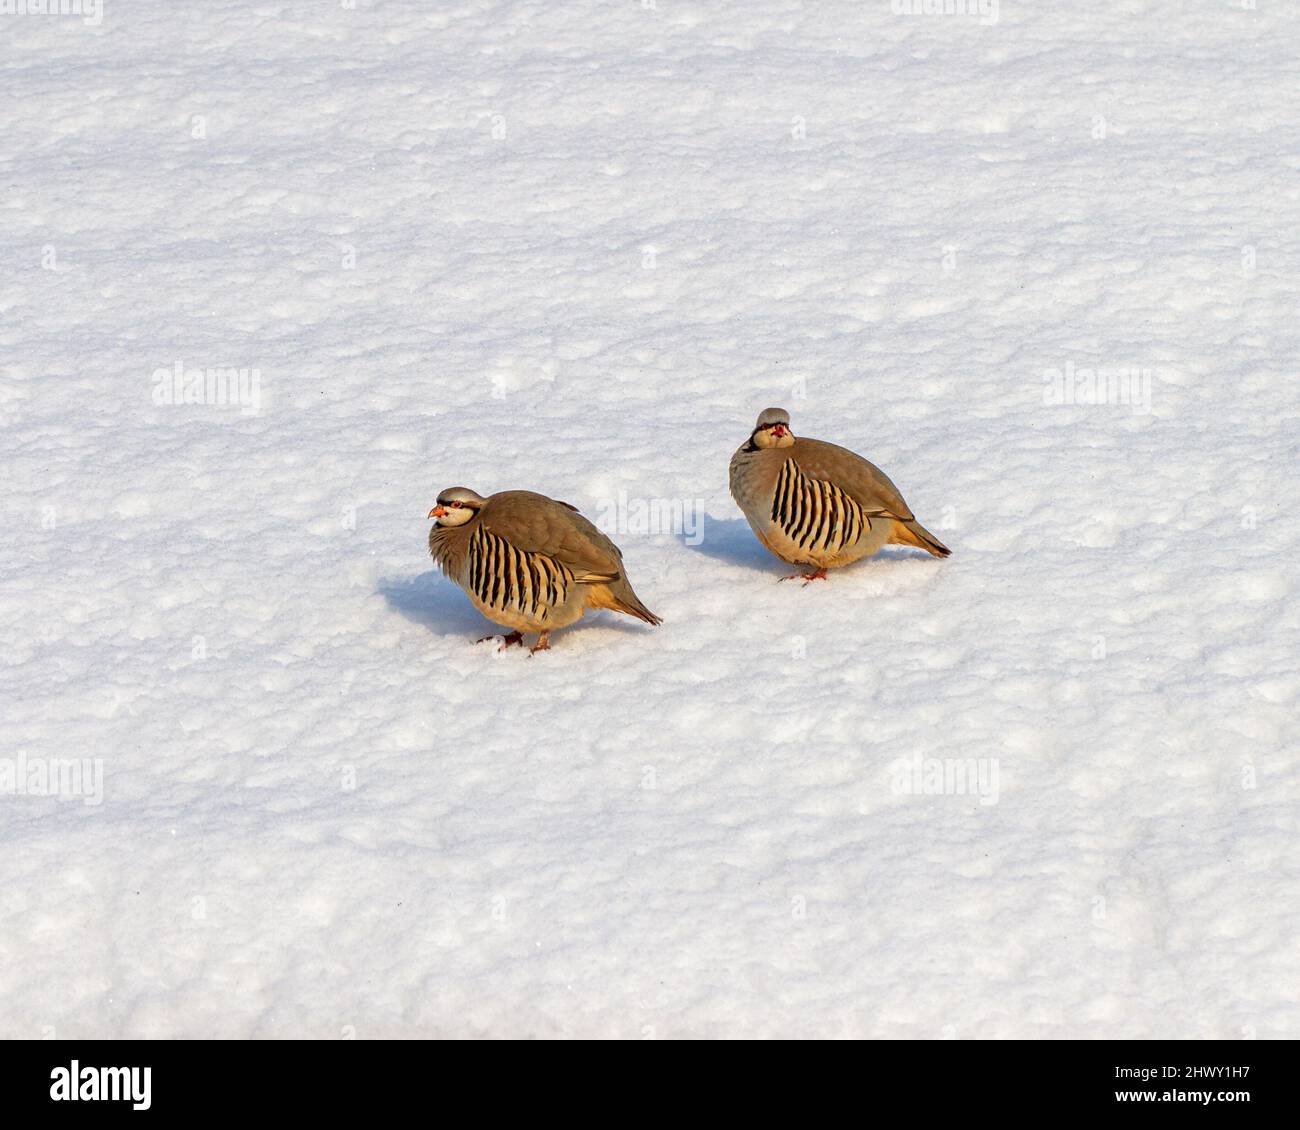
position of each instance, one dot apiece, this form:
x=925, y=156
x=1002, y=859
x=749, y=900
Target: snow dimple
x=1043, y=788
x=1263, y=585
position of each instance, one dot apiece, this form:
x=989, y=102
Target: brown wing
x=533, y=523
x=863, y=482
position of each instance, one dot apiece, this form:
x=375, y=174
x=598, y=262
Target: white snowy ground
x=575, y=248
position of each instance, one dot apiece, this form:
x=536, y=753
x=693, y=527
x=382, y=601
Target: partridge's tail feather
x=913, y=533
x=624, y=600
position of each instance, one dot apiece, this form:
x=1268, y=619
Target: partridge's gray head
x=772, y=428
x=456, y=506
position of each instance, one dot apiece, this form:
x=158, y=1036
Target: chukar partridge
x=528, y=561
x=816, y=504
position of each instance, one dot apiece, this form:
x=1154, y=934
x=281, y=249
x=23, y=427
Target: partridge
x=816, y=504
x=529, y=562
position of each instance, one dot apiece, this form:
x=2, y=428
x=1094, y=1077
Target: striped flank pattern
x=814, y=513
x=510, y=580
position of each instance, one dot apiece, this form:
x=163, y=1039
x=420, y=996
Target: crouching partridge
x=529, y=562
x=816, y=504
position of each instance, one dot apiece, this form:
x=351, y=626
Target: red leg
x=543, y=643
x=807, y=578
x=514, y=639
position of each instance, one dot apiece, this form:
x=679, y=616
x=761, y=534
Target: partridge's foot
x=543, y=643
x=819, y=575
x=514, y=639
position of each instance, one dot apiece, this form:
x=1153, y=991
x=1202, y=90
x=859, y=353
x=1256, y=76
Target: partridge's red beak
x=437, y=512
x=779, y=430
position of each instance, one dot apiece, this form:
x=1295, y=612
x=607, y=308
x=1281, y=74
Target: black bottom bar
x=370, y=1080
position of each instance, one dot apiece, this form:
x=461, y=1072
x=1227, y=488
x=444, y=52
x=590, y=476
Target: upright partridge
x=818, y=505
x=529, y=562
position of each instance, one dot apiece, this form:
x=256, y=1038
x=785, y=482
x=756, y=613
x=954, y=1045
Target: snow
x=575, y=248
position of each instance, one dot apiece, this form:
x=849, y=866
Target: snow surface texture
x=575, y=248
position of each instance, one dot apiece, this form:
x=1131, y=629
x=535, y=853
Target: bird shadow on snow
x=430, y=600
x=433, y=602
x=731, y=540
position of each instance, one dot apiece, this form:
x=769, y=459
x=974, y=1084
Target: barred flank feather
x=814, y=513
x=511, y=580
